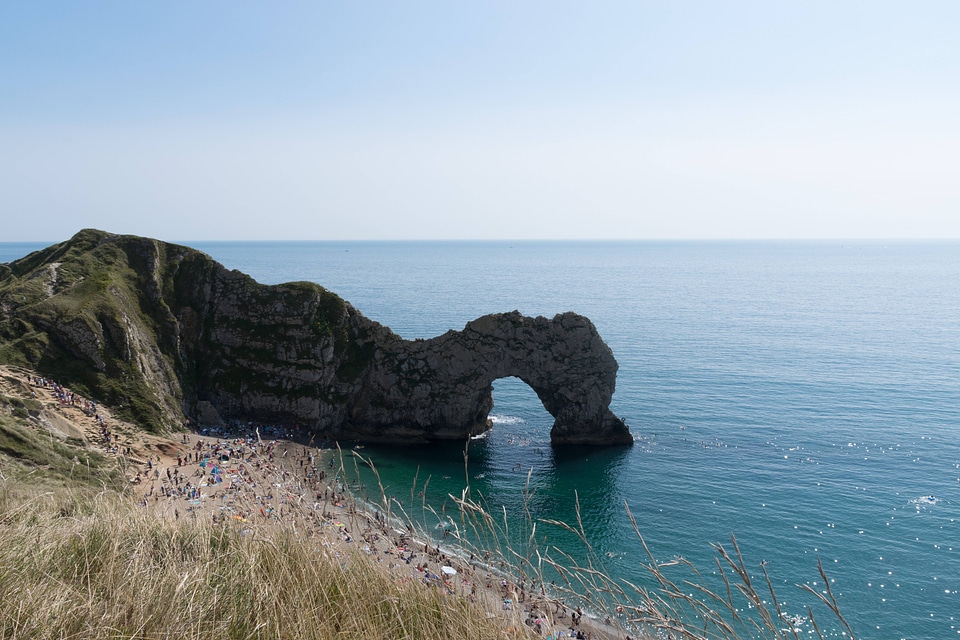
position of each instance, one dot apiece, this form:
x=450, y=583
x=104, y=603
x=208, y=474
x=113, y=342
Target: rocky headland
x=167, y=334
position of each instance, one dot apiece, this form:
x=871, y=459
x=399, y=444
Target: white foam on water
x=507, y=420
x=925, y=501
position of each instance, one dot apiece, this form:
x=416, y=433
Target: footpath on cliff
x=258, y=477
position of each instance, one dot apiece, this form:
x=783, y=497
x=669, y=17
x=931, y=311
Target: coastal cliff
x=167, y=333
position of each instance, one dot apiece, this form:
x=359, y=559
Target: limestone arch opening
x=518, y=409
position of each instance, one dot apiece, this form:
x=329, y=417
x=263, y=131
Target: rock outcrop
x=166, y=332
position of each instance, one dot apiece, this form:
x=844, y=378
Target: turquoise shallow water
x=803, y=396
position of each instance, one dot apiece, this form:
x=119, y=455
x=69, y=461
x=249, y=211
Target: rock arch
x=442, y=388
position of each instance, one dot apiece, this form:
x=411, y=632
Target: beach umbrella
x=448, y=571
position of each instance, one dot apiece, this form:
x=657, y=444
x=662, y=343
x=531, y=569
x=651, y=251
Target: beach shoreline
x=281, y=482
x=253, y=477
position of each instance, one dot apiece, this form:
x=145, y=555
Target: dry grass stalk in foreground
x=688, y=609
x=670, y=609
x=95, y=566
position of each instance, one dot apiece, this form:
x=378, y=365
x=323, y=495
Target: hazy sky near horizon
x=480, y=120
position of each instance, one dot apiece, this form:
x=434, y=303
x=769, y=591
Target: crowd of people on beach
x=248, y=479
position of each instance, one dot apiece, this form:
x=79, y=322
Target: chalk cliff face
x=167, y=332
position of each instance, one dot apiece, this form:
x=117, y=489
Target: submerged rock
x=169, y=333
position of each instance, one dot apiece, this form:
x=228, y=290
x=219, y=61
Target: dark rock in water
x=167, y=332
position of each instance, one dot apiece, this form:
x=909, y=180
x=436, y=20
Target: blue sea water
x=10, y=251
x=804, y=396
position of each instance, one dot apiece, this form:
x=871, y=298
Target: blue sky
x=449, y=120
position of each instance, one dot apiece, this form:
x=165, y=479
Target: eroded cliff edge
x=164, y=330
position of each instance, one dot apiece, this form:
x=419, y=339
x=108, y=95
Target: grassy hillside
x=79, y=558
x=29, y=457
x=94, y=566
x=81, y=312
x=151, y=327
